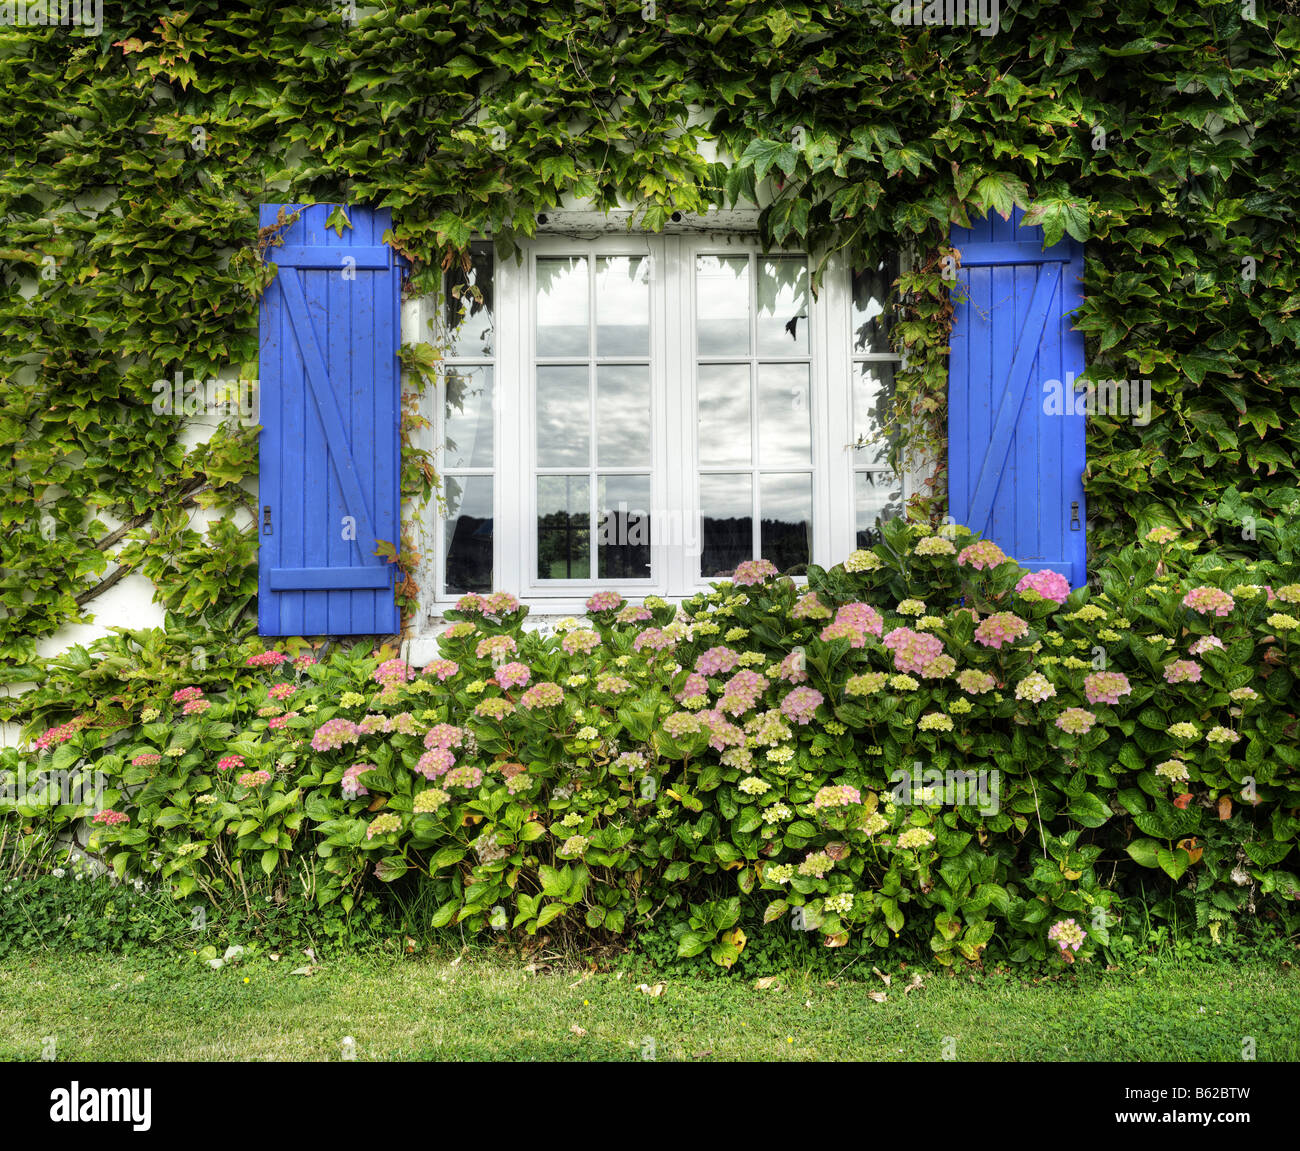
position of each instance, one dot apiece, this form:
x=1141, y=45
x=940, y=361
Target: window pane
x=468, y=319
x=782, y=306
x=871, y=316
x=563, y=527
x=562, y=306
x=623, y=306
x=623, y=415
x=784, y=422
x=467, y=412
x=877, y=494
x=722, y=305
x=467, y=534
x=724, y=414
x=873, y=400
x=623, y=527
x=563, y=417
x=785, y=503
x=727, y=523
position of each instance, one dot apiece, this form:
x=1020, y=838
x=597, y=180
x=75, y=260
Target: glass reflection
x=878, y=495
x=467, y=534
x=727, y=523
x=623, y=527
x=782, y=306
x=563, y=527
x=785, y=502
x=623, y=306
x=468, y=304
x=562, y=310
x=724, y=414
x=623, y=415
x=467, y=417
x=563, y=416
x=784, y=421
x=722, y=305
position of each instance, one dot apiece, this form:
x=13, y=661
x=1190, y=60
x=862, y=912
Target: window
x=644, y=413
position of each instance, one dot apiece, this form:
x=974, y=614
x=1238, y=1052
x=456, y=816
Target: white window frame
x=674, y=473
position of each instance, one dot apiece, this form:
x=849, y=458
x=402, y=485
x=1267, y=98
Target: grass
x=483, y=1005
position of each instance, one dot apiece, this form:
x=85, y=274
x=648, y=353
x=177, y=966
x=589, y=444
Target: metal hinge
x=266, y=520
x=1074, y=515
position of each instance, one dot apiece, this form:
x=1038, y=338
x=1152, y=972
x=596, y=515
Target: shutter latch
x=266, y=519
x=1074, y=516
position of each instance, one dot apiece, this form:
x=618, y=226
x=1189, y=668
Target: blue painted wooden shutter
x=1015, y=459
x=330, y=407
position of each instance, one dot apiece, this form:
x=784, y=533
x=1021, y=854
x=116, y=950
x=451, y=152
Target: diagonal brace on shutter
x=326, y=405
x=1013, y=396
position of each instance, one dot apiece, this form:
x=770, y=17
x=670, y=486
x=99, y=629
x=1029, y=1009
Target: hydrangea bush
x=740, y=756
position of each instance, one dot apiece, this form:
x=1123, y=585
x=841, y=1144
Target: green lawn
x=488, y=1007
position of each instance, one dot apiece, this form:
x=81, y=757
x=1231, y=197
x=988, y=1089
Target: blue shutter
x=1015, y=453
x=329, y=450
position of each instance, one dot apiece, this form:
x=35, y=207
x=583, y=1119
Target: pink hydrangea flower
x=742, y=691
x=472, y=602
x=500, y=603
x=227, y=762
x=1076, y=720
x=837, y=796
x=280, y=691
x=1047, y=583
x=334, y=733
x=496, y=647
x=582, y=640
x=444, y=735
x=392, y=671
x=697, y=687
x=186, y=694
x=913, y=650
x=981, y=555
x=279, y=721
x=465, y=776
x=435, y=762
x=251, y=779
x=110, y=818
x=605, y=601
x=542, y=695
x=196, y=707
x=975, y=682
x=656, y=639
x=61, y=734
x=442, y=669
x=1206, y=643
x=1183, y=671
x=510, y=675
x=810, y=607
x=716, y=660
x=1209, y=600
x=794, y=668
x=722, y=732
x=1002, y=627
x=861, y=616
x=351, y=784
x=1105, y=686
x=800, y=704
x=634, y=613
x=305, y=661
x=753, y=572
x=149, y=759
x=266, y=659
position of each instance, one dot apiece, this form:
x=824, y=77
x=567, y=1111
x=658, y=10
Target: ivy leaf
x=1000, y=192
x=1059, y=216
x=338, y=220
x=763, y=154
